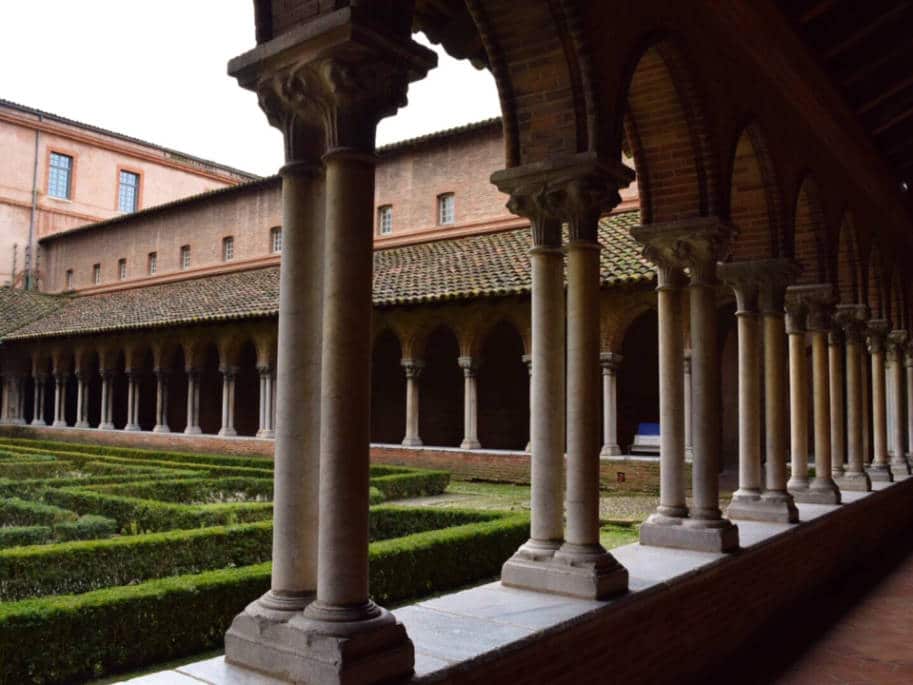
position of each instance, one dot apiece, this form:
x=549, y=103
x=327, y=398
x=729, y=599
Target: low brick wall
x=671, y=633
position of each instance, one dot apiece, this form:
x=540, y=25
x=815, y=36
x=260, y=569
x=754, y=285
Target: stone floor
x=453, y=628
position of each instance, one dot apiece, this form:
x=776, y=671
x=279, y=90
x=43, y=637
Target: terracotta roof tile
x=21, y=307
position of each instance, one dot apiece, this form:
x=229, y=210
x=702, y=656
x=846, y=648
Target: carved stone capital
x=877, y=333
x=812, y=304
x=610, y=362
x=413, y=368
x=763, y=279
x=693, y=244
x=908, y=356
x=896, y=344
x=470, y=365
x=835, y=335
x=265, y=369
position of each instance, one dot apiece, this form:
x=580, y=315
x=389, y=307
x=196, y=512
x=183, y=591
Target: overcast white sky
x=156, y=71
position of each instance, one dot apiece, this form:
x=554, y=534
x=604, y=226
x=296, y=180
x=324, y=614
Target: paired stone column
x=696, y=245
x=852, y=320
x=610, y=362
x=106, y=421
x=161, y=402
x=528, y=360
x=908, y=366
x=229, y=377
x=38, y=413
x=575, y=189
x=689, y=444
x=836, y=382
x=751, y=281
x=822, y=489
x=60, y=399
x=865, y=368
x=193, y=402
x=133, y=387
x=896, y=345
x=796, y=315
x=327, y=94
x=265, y=427
x=880, y=468
x=470, y=368
x=413, y=369
x=82, y=399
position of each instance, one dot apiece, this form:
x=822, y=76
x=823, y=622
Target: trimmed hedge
x=20, y=512
x=193, y=491
x=87, y=527
x=413, y=483
x=75, y=637
x=34, y=469
x=15, y=536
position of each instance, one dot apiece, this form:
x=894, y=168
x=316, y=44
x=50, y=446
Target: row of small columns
x=61, y=378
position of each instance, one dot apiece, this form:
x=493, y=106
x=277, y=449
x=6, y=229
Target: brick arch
x=808, y=240
x=483, y=327
x=755, y=202
x=876, y=289
x=388, y=387
x=616, y=320
x=665, y=128
x=897, y=298
x=848, y=264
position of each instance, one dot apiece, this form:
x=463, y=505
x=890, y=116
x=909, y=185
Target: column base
x=294, y=648
x=772, y=507
x=106, y=426
x=584, y=572
x=59, y=424
x=82, y=424
x=193, y=430
x=415, y=442
x=880, y=473
x=131, y=427
x=855, y=482
x=38, y=422
x=696, y=535
x=797, y=486
x=227, y=432
x=820, y=491
x=900, y=467
x=470, y=445
x=158, y=428
x=266, y=434
x=610, y=451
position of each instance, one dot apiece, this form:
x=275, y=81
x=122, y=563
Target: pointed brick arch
x=808, y=240
x=875, y=281
x=755, y=199
x=849, y=266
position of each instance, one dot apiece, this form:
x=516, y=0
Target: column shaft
x=470, y=405
x=749, y=408
x=412, y=370
x=798, y=412
x=610, y=361
x=822, y=487
x=837, y=404
x=908, y=365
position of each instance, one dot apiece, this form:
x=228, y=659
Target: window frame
x=442, y=198
x=122, y=269
x=152, y=263
x=185, y=257
x=382, y=212
x=139, y=189
x=228, y=246
x=68, y=279
x=96, y=274
x=71, y=180
x=275, y=236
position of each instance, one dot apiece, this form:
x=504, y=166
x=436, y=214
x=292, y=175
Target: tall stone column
x=265, y=429
x=835, y=355
x=132, y=401
x=908, y=367
x=106, y=421
x=864, y=368
x=161, y=402
x=696, y=244
x=880, y=468
x=470, y=368
x=689, y=444
x=327, y=93
x=751, y=282
x=610, y=362
x=60, y=386
x=895, y=350
x=413, y=369
x=852, y=320
x=528, y=360
x=822, y=489
x=82, y=392
x=193, y=402
x=796, y=314
x=229, y=376
x=38, y=412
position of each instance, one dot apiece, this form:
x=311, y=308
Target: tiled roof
x=20, y=307
x=489, y=265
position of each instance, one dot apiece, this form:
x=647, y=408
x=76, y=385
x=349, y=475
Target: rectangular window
x=122, y=269
x=128, y=192
x=445, y=206
x=69, y=279
x=153, y=263
x=185, y=257
x=96, y=274
x=385, y=219
x=60, y=176
x=228, y=249
x=275, y=239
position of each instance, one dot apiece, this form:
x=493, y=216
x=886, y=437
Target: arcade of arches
x=759, y=186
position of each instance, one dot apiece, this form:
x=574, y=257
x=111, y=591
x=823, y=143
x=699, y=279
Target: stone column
x=751, y=280
x=689, y=444
x=413, y=369
x=265, y=429
x=60, y=386
x=864, y=368
x=82, y=408
x=193, y=402
x=470, y=368
x=880, y=468
x=823, y=489
x=107, y=398
x=327, y=93
x=161, y=402
x=132, y=401
x=696, y=244
x=852, y=320
x=796, y=313
x=38, y=413
x=528, y=360
x=895, y=349
x=836, y=354
x=229, y=376
x=610, y=362
x=908, y=366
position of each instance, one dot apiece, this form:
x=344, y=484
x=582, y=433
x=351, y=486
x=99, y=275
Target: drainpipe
x=30, y=246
